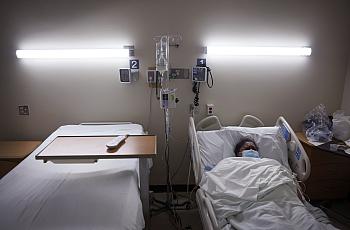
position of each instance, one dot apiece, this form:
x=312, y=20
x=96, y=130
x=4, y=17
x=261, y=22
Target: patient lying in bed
x=247, y=148
x=257, y=193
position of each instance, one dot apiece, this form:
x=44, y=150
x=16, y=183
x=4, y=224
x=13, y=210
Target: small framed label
x=202, y=62
x=134, y=64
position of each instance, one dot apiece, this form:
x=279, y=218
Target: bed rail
x=207, y=214
x=195, y=153
x=209, y=123
x=251, y=121
x=297, y=157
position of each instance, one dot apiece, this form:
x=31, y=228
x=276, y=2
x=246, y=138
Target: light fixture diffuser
x=258, y=51
x=72, y=53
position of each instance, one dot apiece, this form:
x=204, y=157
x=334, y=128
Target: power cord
x=210, y=85
x=150, y=110
x=195, y=90
x=171, y=204
x=157, y=79
x=182, y=160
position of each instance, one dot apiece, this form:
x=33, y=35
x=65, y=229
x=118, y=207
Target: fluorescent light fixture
x=258, y=51
x=73, y=53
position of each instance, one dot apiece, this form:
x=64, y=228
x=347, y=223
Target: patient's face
x=247, y=145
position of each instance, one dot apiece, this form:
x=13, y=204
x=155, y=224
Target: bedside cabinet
x=13, y=152
x=330, y=172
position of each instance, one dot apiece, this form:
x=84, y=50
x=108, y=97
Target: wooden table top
x=17, y=149
x=302, y=138
x=79, y=147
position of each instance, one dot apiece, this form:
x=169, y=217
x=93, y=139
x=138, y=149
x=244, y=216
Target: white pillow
x=214, y=146
x=219, y=144
x=270, y=141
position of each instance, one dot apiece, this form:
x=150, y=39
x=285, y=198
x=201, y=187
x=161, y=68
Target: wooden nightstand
x=330, y=172
x=13, y=152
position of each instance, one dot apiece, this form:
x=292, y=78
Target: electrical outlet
x=23, y=110
x=210, y=109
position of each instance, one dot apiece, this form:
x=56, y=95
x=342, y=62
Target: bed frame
x=297, y=157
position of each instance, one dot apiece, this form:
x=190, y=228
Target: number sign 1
x=202, y=62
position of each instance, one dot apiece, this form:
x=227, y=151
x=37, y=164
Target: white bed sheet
x=104, y=195
x=250, y=193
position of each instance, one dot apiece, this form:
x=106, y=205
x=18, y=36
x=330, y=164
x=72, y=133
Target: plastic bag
x=317, y=126
x=341, y=125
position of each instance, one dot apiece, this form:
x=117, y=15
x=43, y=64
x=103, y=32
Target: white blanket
x=250, y=193
x=104, y=195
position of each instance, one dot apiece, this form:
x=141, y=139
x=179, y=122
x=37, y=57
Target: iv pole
x=162, y=66
x=167, y=101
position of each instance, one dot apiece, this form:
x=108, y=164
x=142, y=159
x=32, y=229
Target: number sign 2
x=134, y=64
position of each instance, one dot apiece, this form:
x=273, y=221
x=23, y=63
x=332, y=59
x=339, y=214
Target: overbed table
x=65, y=149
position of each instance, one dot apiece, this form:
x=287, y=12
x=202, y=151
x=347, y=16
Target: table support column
x=144, y=189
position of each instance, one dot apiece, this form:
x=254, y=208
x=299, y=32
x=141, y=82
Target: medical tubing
x=157, y=86
x=188, y=182
x=170, y=202
x=182, y=160
x=300, y=189
x=210, y=85
x=167, y=123
x=169, y=199
x=166, y=157
x=150, y=110
x=195, y=90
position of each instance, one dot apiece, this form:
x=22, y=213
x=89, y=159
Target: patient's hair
x=241, y=143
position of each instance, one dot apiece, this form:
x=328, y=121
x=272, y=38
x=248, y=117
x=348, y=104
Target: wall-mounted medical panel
x=199, y=74
x=179, y=73
x=127, y=75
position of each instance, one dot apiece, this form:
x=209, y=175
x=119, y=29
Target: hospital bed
x=103, y=195
x=211, y=142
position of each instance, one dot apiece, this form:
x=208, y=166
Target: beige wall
x=346, y=94
x=68, y=92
